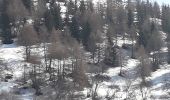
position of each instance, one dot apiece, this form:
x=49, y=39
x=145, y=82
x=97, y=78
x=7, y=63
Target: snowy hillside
x=84, y=50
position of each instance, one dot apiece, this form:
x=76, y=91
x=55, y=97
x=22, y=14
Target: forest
x=84, y=50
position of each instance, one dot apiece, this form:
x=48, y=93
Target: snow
x=156, y=20
x=117, y=80
x=132, y=63
x=63, y=8
x=121, y=41
x=161, y=74
x=99, y=1
x=30, y=21
x=164, y=49
x=157, y=80
x=163, y=35
x=102, y=91
x=13, y=56
x=112, y=71
x=6, y=86
x=11, y=53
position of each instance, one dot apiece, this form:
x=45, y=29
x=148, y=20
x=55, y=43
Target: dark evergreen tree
x=71, y=7
x=82, y=7
x=165, y=18
x=6, y=31
x=120, y=21
x=110, y=11
x=75, y=3
x=141, y=13
x=155, y=44
x=145, y=33
x=85, y=34
x=39, y=15
x=5, y=25
x=130, y=18
x=49, y=20
x=165, y=26
x=66, y=19
x=131, y=25
x=57, y=17
x=168, y=45
x=75, y=28
x=156, y=10
x=90, y=6
x=28, y=4
x=148, y=8
x=111, y=54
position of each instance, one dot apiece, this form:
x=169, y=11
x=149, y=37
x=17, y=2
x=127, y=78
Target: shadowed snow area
x=12, y=57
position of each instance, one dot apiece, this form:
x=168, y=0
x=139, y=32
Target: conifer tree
x=49, y=20
x=86, y=31
x=75, y=28
x=165, y=26
x=71, y=7
x=111, y=54
x=82, y=7
x=28, y=4
x=5, y=24
x=57, y=17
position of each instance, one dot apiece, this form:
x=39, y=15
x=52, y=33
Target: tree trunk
x=95, y=92
x=132, y=55
x=99, y=53
x=63, y=68
x=26, y=53
x=45, y=56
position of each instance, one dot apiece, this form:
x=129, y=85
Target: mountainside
x=84, y=50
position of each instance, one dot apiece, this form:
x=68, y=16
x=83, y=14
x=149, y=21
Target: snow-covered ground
x=13, y=55
x=159, y=80
x=13, y=58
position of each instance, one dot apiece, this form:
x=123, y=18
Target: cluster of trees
x=34, y=24
x=40, y=23
x=139, y=21
x=165, y=25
